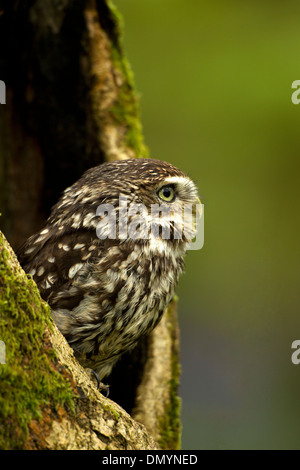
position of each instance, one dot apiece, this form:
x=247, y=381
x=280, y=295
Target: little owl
x=107, y=290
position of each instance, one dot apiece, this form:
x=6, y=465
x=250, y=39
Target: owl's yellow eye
x=166, y=193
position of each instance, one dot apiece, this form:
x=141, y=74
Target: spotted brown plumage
x=106, y=293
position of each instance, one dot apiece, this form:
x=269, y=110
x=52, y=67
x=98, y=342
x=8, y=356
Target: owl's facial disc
x=177, y=209
x=184, y=188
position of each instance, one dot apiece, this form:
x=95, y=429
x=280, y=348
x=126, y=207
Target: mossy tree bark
x=70, y=105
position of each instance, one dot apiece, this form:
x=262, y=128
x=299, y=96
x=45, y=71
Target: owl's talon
x=105, y=388
x=100, y=386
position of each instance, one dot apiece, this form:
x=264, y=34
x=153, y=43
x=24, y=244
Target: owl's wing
x=55, y=260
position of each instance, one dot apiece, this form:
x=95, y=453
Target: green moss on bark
x=28, y=379
x=170, y=425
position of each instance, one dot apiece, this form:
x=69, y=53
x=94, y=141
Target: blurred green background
x=215, y=83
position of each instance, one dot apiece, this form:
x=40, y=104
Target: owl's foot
x=103, y=388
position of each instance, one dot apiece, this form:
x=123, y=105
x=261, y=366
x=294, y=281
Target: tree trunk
x=70, y=105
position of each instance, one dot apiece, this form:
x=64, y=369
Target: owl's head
x=136, y=199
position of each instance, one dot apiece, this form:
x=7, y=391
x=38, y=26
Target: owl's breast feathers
x=104, y=292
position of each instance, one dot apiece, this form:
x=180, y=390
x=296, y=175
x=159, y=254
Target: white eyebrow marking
x=178, y=180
